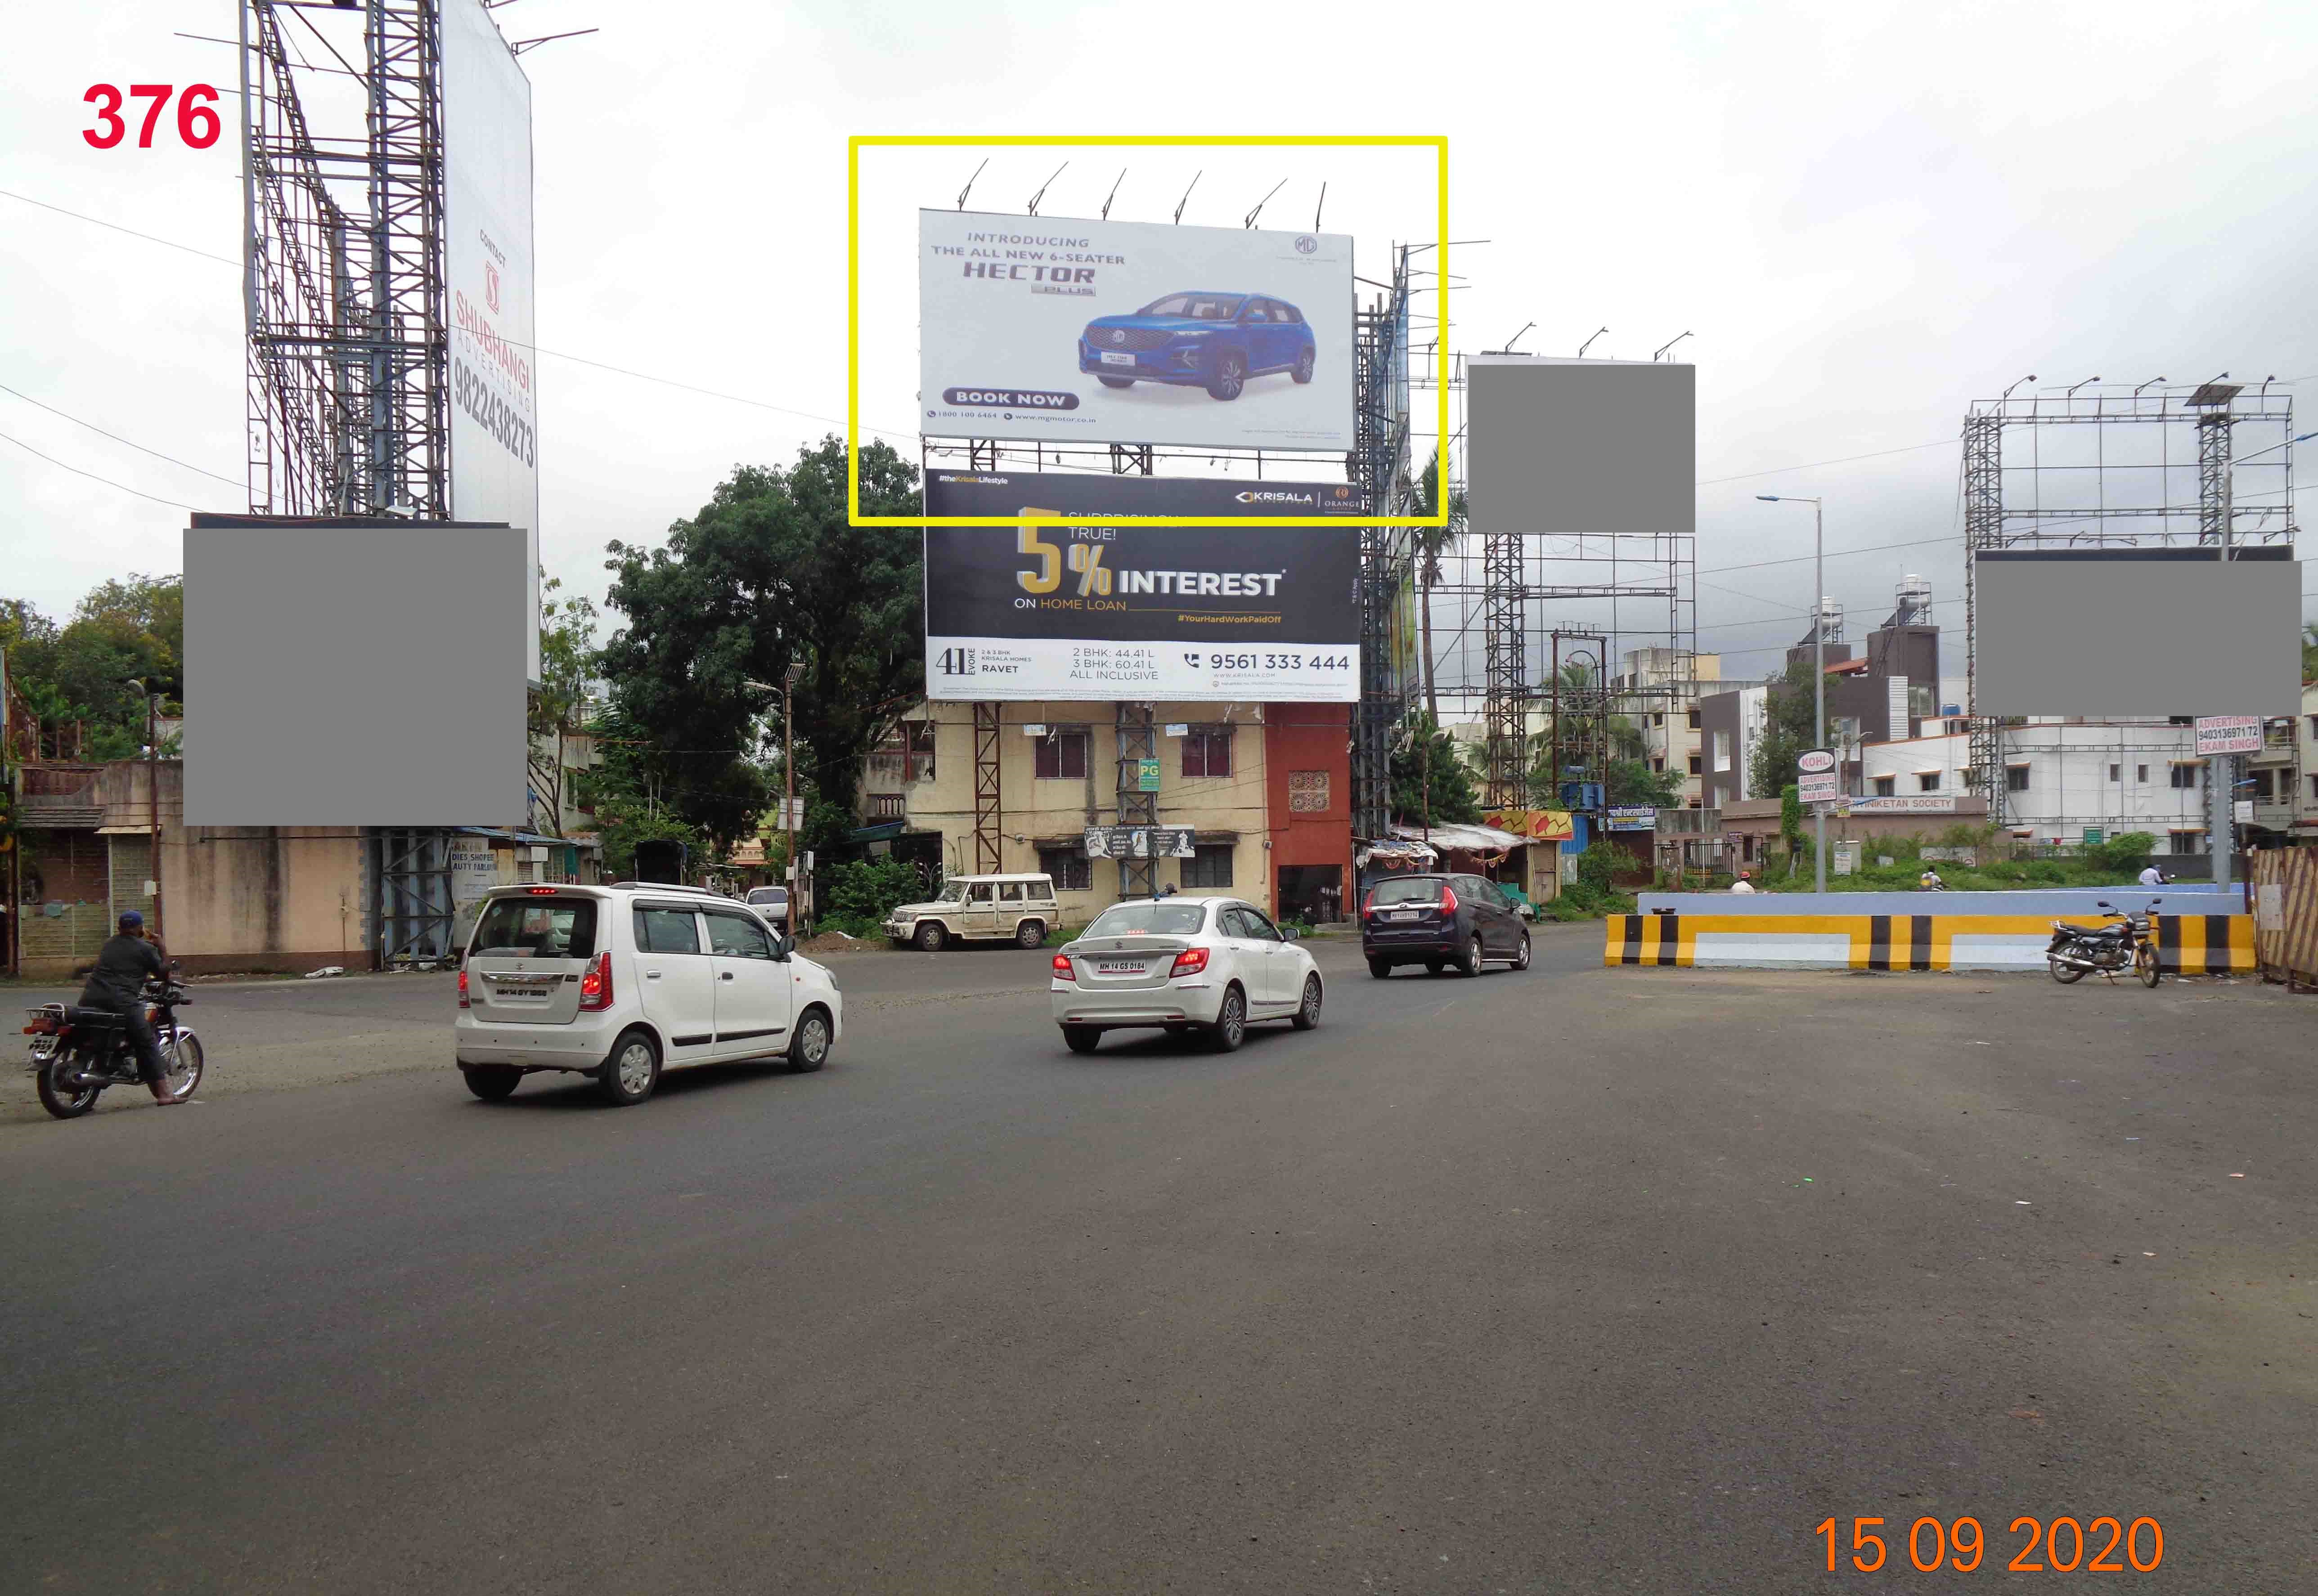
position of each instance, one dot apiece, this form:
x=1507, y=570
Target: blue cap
x=129, y=917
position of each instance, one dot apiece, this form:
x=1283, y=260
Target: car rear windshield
x=536, y=928
x=769, y=896
x=1131, y=920
x=1409, y=888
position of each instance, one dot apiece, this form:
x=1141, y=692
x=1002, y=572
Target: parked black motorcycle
x=78, y=1052
x=2078, y=951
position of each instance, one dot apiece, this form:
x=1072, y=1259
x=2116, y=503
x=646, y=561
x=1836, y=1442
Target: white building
x=2062, y=776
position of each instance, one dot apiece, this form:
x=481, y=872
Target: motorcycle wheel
x=181, y=1063
x=2066, y=975
x=2144, y=965
x=63, y=1101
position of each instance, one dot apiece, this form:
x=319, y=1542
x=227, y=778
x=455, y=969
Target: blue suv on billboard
x=1214, y=341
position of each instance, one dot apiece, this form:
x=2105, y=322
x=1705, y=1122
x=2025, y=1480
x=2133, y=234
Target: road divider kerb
x=2187, y=944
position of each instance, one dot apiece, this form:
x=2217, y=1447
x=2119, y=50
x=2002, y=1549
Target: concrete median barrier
x=1986, y=931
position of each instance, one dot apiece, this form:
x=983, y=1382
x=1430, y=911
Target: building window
x=2116, y=772
x=1721, y=751
x=888, y=806
x=1073, y=870
x=2015, y=778
x=1062, y=754
x=1658, y=766
x=1885, y=784
x=2185, y=776
x=905, y=753
x=1928, y=781
x=2141, y=775
x=1697, y=764
x=2313, y=789
x=1693, y=721
x=2186, y=842
x=1207, y=751
x=2313, y=727
x=1208, y=867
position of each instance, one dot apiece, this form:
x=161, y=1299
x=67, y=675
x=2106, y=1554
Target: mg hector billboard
x=1117, y=611
x=1133, y=332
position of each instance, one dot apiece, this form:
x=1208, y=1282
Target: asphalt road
x=1571, y=1281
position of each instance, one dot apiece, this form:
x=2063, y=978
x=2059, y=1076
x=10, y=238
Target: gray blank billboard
x=360, y=673
x=2116, y=633
x=1561, y=448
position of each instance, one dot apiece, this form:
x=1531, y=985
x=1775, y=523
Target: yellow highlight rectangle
x=854, y=517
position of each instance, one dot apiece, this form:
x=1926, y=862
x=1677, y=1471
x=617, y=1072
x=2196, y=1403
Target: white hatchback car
x=1182, y=963
x=621, y=981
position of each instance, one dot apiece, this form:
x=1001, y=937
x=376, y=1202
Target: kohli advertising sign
x=487, y=277
x=1133, y=332
x=1117, y=611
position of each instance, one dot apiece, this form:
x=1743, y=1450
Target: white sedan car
x=1182, y=963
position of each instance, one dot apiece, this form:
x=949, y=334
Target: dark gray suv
x=1439, y=920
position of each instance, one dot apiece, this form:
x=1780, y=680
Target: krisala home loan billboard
x=1133, y=332
x=1118, y=610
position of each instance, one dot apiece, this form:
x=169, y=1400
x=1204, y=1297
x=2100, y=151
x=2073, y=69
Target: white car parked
x=1183, y=964
x=624, y=980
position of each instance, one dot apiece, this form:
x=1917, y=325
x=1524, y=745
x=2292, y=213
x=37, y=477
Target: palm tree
x=1430, y=542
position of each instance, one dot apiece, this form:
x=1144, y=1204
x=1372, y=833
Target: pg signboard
x=1816, y=779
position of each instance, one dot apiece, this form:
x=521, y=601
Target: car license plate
x=1119, y=967
x=1111, y=357
x=525, y=991
x=1405, y=914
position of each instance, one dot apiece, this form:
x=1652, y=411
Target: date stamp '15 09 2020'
x=2058, y=1546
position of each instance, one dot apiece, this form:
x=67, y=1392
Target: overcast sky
x=1867, y=214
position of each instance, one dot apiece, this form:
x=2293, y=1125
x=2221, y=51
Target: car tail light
x=1448, y=899
x=1368, y=905
x=1063, y=970
x=595, y=985
x=463, y=988
x=1190, y=962
x=542, y=891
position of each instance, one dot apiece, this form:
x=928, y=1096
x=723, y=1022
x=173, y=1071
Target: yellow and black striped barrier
x=2187, y=944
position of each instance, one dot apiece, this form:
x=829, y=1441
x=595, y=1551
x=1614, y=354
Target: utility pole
x=1818, y=661
x=788, y=777
x=153, y=771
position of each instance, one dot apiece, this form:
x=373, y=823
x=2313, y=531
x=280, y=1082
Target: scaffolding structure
x=348, y=389
x=1377, y=465
x=2112, y=469
x=1531, y=585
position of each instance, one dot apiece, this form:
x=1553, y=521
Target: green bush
x=865, y=891
x=2122, y=855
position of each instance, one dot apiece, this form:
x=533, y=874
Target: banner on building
x=1117, y=611
x=1633, y=817
x=1538, y=825
x=487, y=280
x=1139, y=842
x=2228, y=734
x=1133, y=332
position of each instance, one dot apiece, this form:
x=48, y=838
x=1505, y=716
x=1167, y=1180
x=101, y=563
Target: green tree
x=1429, y=778
x=122, y=630
x=1432, y=543
x=2310, y=654
x=567, y=659
x=1791, y=727
x=770, y=573
x=1633, y=782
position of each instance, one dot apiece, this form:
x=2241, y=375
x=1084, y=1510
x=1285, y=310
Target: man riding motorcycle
x=118, y=984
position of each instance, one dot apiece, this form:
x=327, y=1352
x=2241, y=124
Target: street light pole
x=1818, y=662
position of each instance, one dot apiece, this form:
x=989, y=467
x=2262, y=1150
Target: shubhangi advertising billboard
x=1117, y=611
x=1133, y=332
x=487, y=279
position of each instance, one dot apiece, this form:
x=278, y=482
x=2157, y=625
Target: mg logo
x=1307, y=245
x=491, y=287
x=1117, y=336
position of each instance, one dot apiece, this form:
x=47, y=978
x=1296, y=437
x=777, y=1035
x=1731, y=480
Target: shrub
x=2121, y=854
x=865, y=891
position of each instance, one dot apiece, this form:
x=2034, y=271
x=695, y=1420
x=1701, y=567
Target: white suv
x=624, y=980
x=1016, y=909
